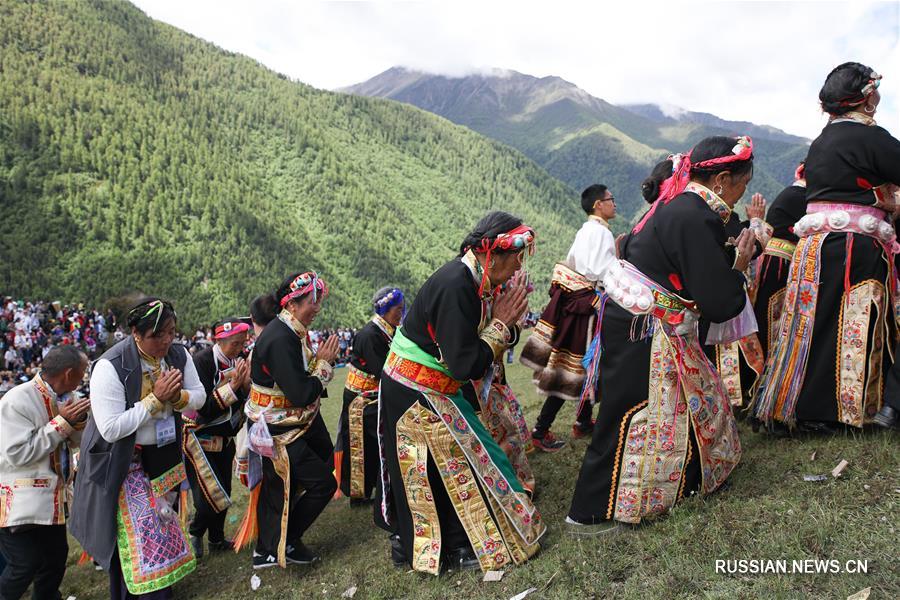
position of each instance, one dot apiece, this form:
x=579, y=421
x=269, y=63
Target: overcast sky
x=757, y=61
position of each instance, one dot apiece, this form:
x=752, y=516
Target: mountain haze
x=576, y=137
x=136, y=157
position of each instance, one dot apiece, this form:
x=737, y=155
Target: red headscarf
x=520, y=238
x=681, y=173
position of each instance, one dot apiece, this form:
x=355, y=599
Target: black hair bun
x=650, y=190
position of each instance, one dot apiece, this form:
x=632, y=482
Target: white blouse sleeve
x=191, y=382
x=108, y=404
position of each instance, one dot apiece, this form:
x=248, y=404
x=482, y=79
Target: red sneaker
x=548, y=443
x=579, y=431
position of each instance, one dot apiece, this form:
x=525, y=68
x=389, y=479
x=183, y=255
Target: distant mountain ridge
x=579, y=138
x=659, y=114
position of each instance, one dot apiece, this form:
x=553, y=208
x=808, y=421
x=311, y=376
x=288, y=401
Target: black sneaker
x=222, y=546
x=574, y=527
x=462, y=559
x=819, y=427
x=887, y=417
x=197, y=545
x=398, y=555
x=300, y=555
x=264, y=561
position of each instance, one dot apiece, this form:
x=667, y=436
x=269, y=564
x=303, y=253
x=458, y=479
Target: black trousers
x=312, y=466
x=892, y=383
x=35, y=554
x=396, y=399
x=206, y=519
x=548, y=413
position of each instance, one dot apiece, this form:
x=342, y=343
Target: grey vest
x=103, y=465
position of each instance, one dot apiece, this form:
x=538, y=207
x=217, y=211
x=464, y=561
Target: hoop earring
x=867, y=111
x=492, y=263
x=718, y=190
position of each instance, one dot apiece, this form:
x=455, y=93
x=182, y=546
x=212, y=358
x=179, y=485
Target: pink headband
x=681, y=173
x=304, y=284
x=229, y=329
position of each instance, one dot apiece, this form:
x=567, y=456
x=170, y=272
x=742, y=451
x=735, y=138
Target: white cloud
x=756, y=61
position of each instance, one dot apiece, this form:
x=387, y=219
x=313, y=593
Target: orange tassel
x=183, y=508
x=338, y=462
x=248, y=530
x=84, y=559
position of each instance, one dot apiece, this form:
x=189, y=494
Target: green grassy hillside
x=134, y=156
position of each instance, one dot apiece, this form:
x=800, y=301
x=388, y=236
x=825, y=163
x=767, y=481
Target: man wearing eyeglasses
x=556, y=348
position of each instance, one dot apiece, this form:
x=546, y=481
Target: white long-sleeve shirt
x=108, y=403
x=593, y=250
x=32, y=435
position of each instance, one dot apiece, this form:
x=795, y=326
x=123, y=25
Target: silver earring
x=718, y=190
x=869, y=109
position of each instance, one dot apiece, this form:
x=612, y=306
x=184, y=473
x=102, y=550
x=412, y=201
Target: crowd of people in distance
x=29, y=329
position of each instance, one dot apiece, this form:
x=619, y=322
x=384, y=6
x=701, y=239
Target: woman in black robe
x=208, y=437
x=451, y=492
x=356, y=453
x=827, y=367
x=674, y=269
x=288, y=384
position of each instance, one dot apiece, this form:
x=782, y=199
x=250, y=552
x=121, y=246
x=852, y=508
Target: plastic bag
x=165, y=506
x=259, y=439
x=731, y=331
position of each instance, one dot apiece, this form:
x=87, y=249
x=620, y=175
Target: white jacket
x=34, y=442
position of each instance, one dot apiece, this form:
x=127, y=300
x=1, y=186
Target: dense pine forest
x=137, y=158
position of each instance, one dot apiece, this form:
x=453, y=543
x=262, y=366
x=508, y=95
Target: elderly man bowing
x=39, y=421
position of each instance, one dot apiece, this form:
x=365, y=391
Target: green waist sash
x=404, y=349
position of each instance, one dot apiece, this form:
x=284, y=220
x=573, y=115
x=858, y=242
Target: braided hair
x=843, y=88
x=489, y=227
x=150, y=314
x=716, y=147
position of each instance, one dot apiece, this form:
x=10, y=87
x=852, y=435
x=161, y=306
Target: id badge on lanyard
x=165, y=431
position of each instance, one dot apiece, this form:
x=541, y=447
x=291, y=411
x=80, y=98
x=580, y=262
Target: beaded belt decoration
x=640, y=295
x=836, y=217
